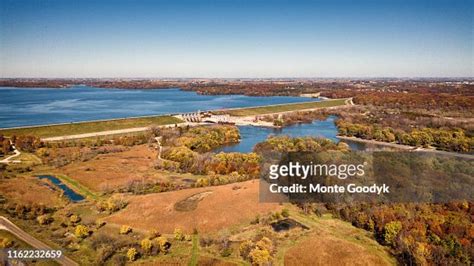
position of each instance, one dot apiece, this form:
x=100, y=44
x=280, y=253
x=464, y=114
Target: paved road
x=35, y=243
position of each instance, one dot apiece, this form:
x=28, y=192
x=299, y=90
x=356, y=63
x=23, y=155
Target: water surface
x=251, y=135
x=69, y=193
x=39, y=106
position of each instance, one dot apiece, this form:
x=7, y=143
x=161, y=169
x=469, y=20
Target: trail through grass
x=194, y=251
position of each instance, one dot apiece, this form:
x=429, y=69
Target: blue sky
x=42, y=38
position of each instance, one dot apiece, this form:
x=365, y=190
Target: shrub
x=132, y=254
x=104, y=252
x=245, y=248
x=118, y=260
x=259, y=256
x=114, y=204
x=44, y=219
x=154, y=234
x=100, y=223
x=74, y=219
x=125, y=229
x=226, y=252
x=163, y=244
x=6, y=243
x=178, y=234
x=146, y=245
x=285, y=213
x=265, y=243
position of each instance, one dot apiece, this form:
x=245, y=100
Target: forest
x=187, y=150
x=418, y=234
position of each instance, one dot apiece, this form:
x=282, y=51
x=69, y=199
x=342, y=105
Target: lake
x=39, y=106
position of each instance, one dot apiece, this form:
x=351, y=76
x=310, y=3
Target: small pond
x=69, y=193
x=287, y=224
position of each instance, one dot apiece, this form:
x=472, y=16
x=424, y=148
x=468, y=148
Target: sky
x=236, y=39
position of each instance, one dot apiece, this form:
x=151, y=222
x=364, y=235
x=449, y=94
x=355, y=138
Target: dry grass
x=223, y=208
x=29, y=190
x=334, y=242
x=112, y=170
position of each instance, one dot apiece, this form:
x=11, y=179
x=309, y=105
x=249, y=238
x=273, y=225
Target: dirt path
x=9, y=158
x=35, y=243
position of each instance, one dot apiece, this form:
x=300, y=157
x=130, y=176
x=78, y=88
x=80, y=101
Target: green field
x=89, y=127
x=282, y=108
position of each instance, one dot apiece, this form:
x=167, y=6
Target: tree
x=245, y=248
x=265, y=244
x=132, y=254
x=260, y=256
x=74, y=219
x=125, y=229
x=81, y=231
x=44, y=219
x=163, y=244
x=391, y=231
x=6, y=147
x=146, y=244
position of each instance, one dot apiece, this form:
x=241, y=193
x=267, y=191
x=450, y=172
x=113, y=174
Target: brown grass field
x=29, y=190
x=225, y=207
x=112, y=170
x=335, y=242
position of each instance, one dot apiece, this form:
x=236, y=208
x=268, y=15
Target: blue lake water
x=39, y=106
x=69, y=193
x=250, y=135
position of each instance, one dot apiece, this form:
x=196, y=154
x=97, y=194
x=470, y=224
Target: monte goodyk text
x=293, y=172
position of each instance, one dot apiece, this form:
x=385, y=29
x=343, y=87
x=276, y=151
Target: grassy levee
x=74, y=185
x=283, y=108
x=90, y=127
